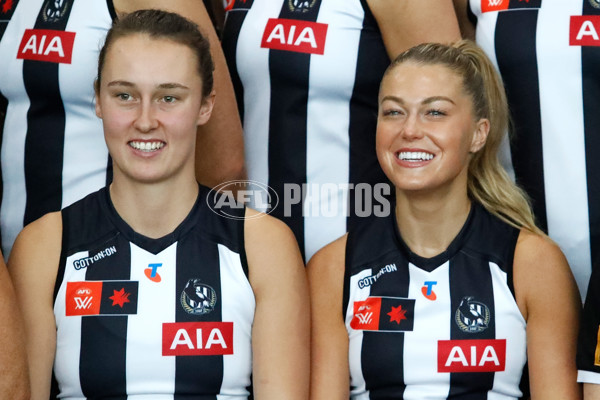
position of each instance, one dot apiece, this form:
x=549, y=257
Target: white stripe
x=420, y=366
x=328, y=120
x=588, y=377
x=512, y=327
x=565, y=180
x=13, y=145
x=485, y=35
x=237, y=305
x=154, y=298
x=253, y=68
x=357, y=380
x=68, y=334
x=85, y=153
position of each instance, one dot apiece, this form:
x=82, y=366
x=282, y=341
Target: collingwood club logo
x=595, y=3
x=198, y=298
x=472, y=316
x=301, y=5
x=55, y=10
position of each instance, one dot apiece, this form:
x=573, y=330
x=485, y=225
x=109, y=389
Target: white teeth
x=147, y=146
x=414, y=156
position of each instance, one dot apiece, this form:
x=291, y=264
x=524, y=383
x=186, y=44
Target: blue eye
x=436, y=113
x=169, y=99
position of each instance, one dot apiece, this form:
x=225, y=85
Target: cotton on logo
x=483, y=355
x=494, y=5
x=47, y=45
x=584, y=30
x=292, y=35
x=197, y=338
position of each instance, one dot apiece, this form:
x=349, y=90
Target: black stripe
x=231, y=30
x=289, y=73
x=382, y=349
x=590, y=59
x=104, y=338
x=198, y=259
x=470, y=280
x=44, y=143
x=518, y=67
x=372, y=61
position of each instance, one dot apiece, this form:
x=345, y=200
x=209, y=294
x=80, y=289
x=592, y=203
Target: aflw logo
x=292, y=35
x=364, y=318
x=494, y=5
x=83, y=303
x=47, y=45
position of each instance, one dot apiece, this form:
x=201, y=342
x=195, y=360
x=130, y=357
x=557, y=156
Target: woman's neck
x=153, y=210
x=429, y=223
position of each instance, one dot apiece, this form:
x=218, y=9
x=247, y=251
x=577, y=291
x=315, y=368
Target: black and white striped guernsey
x=437, y=328
x=547, y=53
x=53, y=150
x=306, y=75
x=139, y=317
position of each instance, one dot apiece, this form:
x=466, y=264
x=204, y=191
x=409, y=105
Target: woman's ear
x=96, y=100
x=480, y=135
x=206, y=109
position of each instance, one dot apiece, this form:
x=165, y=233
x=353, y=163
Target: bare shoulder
x=37, y=249
x=540, y=271
x=272, y=251
x=328, y=264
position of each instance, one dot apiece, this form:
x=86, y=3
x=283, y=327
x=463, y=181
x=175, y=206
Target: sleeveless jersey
x=435, y=328
x=547, y=53
x=53, y=151
x=139, y=317
x=306, y=75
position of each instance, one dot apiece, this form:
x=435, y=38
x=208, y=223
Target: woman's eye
x=123, y=96
x=391, y=112
x=169, y=99
x=436, y=113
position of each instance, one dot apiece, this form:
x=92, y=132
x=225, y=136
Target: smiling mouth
x=147, y=146
x=414, y=156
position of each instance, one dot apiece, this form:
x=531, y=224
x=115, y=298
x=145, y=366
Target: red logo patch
x=494, y=5
x=197, y=338
x=482, y=355
x=292, y=35
x=366, y=314
x=83, y=298
x=584, y=30
x=47, y=45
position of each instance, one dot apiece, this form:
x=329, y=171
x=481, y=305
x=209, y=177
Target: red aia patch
x=482, y=355
x=47, y=45
x=584, y=30
x=293, y=35
x=197, y=338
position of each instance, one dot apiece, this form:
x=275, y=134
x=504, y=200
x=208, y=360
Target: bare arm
x=14, y=377
x=330, y=374
x=549, y=300
x=406, y=23
x=281, y=329
x=466, y=27
x=219, y=146
x=33, y=264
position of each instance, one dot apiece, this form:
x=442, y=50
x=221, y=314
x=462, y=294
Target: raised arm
x=406, y=23
x=281, y=329
x=550, y=302
x=219, y=146
x=33, y=265
x=330, y=374
x=14, y=377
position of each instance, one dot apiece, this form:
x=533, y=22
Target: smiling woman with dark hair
x=142, y=291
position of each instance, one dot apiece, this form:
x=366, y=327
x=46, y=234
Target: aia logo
x=152, y=273
x=47, y=45
x=583, y=30
x=483, y=355
x=427, y=290
x=292, y=35
x=197, y=338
